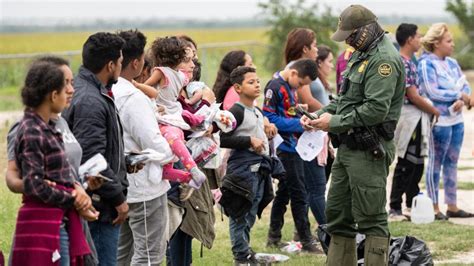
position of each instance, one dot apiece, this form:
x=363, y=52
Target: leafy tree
x=283, y=17
x=464, y=13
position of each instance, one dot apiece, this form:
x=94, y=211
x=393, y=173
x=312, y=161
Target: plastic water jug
x=422, y=211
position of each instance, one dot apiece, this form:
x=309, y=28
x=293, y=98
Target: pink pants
x=175, y=138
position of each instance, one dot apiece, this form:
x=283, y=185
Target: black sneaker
x=312, y=247
x=249, y=261
x=441, y=217
x=274, y=243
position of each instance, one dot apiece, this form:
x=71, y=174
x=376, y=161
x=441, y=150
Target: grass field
x=12, y=71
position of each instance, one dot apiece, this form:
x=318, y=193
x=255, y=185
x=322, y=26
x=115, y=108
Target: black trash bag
x=324, y=237
x=360, y=245
x=406, y=250
x=409, y=250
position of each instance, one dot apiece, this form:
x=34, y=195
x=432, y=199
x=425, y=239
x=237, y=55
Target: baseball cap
x=353, y=17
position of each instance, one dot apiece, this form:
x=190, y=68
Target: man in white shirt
x=143, y=236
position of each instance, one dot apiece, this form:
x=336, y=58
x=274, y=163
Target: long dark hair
x=323, y=53
x=296, y=40
x=230, y=62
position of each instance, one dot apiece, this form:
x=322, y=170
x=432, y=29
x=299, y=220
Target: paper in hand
x=93, y=166
x=274, y=143
x=310, y=144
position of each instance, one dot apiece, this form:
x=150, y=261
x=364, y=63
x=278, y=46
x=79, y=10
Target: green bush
x=282, y=17
x=464, y=13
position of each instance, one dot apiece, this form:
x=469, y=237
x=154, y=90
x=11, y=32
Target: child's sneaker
x=185, y=192
x=198, y=177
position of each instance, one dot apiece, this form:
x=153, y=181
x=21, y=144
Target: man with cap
x=361, y=121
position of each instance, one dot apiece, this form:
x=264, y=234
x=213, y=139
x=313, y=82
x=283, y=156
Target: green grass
x=444, y=239
x=10, y=99
x=12, y=71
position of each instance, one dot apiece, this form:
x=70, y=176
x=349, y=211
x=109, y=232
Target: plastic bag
x=406, y=250
x=292, y=247
x=203, y=149
x=409, y=250
x=215, y=162
x=324, y=237
x=266, y=258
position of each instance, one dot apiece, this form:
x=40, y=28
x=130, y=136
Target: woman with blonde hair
x=443, y=82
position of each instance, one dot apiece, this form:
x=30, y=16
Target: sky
x=24, y=11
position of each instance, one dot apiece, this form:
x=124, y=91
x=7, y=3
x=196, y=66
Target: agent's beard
x=366, y=37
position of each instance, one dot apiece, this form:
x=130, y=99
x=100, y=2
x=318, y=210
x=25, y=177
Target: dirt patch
x=462, y=258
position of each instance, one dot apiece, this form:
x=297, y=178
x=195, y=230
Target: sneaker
x=274, y=243
x=396, y=216
x=296, y=236
x=198, y=177
x=185, y=192
x=312, y=247
x=249, y=261
x=441, y=217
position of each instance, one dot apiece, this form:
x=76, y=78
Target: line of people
x=125, y=100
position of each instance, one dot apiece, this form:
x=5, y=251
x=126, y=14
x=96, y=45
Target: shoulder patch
x=385, y=70
x=269, y=94
x=268, y=97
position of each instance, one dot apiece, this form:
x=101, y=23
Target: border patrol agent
x=361, y=121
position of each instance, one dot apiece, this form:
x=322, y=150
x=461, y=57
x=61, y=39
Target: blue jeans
x=315, y=182
x=105, y=236
x=180, y=250
x=63, y=245
x=240, y=228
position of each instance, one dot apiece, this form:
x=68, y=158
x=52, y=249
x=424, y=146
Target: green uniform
x=357, y=195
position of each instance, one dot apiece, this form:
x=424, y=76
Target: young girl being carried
x=174, y=70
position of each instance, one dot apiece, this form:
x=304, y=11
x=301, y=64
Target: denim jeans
x=180, y=250
x=63, y=245
x=240, y=228
x=292, y=188
x=105, y=236
x=315, y=182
